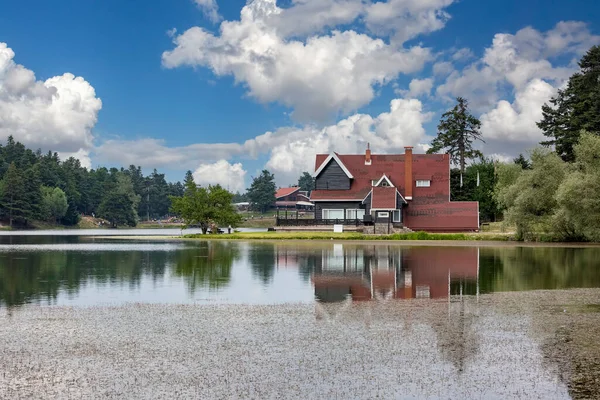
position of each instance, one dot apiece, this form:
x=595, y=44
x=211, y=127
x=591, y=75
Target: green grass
x=348, y=236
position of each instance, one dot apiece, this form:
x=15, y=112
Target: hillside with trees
x=41, y=187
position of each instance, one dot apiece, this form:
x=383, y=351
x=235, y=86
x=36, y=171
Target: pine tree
x=14, y=201
x=574, y=109
x=457, y=131
x=262, y=191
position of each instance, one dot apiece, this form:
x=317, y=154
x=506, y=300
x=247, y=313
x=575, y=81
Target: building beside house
x=292, y=198
x=402, y=190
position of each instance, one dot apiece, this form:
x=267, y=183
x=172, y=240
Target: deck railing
x=313, y=221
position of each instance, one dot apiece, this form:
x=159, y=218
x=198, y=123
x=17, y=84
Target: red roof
x=282, y=192
x=384, y=198
x=425, y=166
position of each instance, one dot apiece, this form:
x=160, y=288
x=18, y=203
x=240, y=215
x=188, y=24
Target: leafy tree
x=575, y=108
x=578, y=195
x=205, y=206
x=523, y=162
x=457, y=130
x=14, y=198
x=54, y=203
x=530, y=202
x=262, y=191
x=306, y=182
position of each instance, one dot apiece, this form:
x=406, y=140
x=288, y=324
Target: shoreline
x=433, y=242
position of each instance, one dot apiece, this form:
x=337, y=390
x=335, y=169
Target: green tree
x=205, y=206
x=239, y=198
x=578, y=195
x=530, y=202
x=306, y=182
x=457, y=131
x=54, y=203
x=14, y=197
x=523, y=162
x=575, y=108
x=119, y=206
x=262, y=191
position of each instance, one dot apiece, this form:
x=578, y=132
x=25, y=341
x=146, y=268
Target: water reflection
x=77, y=270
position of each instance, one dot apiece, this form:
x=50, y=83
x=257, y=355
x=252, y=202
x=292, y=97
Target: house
x=292, y=197
x=410, y=190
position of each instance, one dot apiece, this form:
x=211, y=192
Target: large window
x=355, y=214
x=333, y=214
x=397, y=216
x=423, y=183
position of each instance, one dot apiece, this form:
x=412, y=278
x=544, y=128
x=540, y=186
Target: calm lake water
x=88, y=270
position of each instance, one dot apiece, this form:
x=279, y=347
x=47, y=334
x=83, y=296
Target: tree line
x=36, y=186
x=554, y=193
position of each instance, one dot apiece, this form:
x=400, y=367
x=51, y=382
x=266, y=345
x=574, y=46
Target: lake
x=86, y=316
x=65, y=269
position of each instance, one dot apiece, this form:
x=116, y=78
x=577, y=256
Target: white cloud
x=57, y=114
x=316, y=77
x=463, y=54
x=523, y=66
x=406, y=19
x=516, y=122
x=443, y=68
x=516, y=60
x=290, y=150
x=230, y=176
x=387, y=132
x=418, y=88
x=154, y=153
x=210, y=9
x=82, y=155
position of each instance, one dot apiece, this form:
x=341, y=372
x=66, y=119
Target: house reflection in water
x=381, y=271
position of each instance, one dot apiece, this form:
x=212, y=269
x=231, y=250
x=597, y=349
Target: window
x=397, y=216
x=333, y=214
x=384, y=183
x=383, y=214
x=355, y=214
x=423, y=183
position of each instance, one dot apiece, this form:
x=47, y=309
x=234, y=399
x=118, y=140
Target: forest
x=40, y=187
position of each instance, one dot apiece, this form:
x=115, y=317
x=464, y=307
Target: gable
x=332, y=158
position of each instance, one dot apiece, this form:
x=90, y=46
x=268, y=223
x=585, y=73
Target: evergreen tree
x=119, y=206
x=14, y=198
x=575, y=108
x=306, y=182
x=523, y=162
x=262, y=191
x=457, y=131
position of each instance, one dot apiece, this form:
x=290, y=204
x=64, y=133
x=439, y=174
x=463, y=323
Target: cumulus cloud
x=57, y=114
x=317, y=76
x=418, y=88
x=514, y=60
x=230, y=176
x=210, y=9
x=387, y=132
x=516, y=122
x=406, y=19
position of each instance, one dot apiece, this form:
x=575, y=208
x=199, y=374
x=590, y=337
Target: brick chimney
x=368, y=155
x=408, y=174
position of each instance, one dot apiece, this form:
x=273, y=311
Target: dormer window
x=384, y=181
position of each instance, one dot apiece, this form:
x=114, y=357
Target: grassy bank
x=351, y=236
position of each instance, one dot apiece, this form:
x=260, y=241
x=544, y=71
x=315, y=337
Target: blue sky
x=190, y=84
